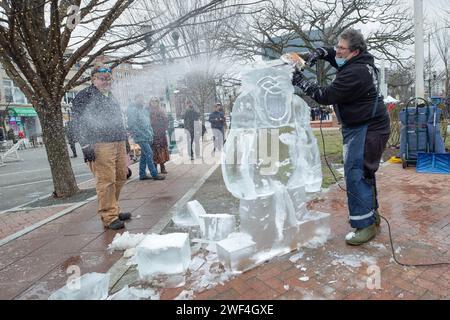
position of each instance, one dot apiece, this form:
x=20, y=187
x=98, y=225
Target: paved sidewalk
x=34, y=265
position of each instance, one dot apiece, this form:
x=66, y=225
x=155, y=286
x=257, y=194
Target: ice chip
x=125, y=241
x=90, y=286
x=130, y=293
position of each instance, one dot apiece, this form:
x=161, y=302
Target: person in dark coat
x=359, y=106
x=160, y=125
x=191, y=123
x=217, y=120
x=102, y=134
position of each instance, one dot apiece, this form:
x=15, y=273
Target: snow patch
x=295, y=257
x=304, y=279
x=353, y=260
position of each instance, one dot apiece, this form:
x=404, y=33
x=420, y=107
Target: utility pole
x=429, y=66
x=419, y=48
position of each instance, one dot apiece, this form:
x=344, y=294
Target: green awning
x=22, y=112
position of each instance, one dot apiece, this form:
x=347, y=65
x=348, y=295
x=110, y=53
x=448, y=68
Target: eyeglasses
x=104, y=78
x=340, y=48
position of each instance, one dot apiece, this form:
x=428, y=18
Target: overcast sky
x=434, y=8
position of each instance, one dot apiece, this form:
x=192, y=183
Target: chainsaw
x=292, y=59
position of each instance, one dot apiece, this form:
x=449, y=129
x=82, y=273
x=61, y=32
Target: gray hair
x=355, y=40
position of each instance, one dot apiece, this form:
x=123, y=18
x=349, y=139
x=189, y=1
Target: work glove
x=88, y=153
x=299, y=80
x=312, y=57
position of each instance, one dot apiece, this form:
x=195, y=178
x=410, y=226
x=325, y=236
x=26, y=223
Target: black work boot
x=124, y=216
x=116, y=225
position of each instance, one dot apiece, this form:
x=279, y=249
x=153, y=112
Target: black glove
x=312, y=57
x=299, y=80
x=88, y=153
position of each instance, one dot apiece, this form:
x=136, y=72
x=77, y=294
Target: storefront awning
x=22, y=112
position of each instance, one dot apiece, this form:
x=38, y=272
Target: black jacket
x=97, y=118
x=190, y=116
x=354, y=92
x=217, y=119
x=71, y=132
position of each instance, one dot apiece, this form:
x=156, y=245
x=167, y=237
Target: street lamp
x=147, y=32
x=163, y=48
x=163, y=51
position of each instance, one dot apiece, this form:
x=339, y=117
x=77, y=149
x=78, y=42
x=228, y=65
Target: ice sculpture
x=271, y=162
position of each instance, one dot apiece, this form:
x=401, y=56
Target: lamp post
x=163, y=52
x=147, y=32
x=418, y=31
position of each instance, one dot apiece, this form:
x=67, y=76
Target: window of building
x=69, y=96
x=13, y=93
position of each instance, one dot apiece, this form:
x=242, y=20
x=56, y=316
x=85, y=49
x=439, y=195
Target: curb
x=22, y=232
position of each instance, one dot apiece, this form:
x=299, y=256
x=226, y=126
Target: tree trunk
x=50, y=116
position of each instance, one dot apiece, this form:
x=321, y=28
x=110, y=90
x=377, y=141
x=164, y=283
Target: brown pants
x=110, y=172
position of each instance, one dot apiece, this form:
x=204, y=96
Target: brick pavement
x=11, y=222
x=417, y=208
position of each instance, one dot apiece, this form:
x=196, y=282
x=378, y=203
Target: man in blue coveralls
x=365, y=123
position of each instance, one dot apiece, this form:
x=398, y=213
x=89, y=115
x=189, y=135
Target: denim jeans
x=360, y=195
x=146, y=160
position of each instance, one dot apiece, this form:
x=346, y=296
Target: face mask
x=340, y=61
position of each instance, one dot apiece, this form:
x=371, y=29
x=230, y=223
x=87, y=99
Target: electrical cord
x=385, y=219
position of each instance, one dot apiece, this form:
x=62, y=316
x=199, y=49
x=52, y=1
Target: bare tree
x=442, y=43
x=199, y=48
x=399, y=80
x=34, y=38
x=318, y=23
